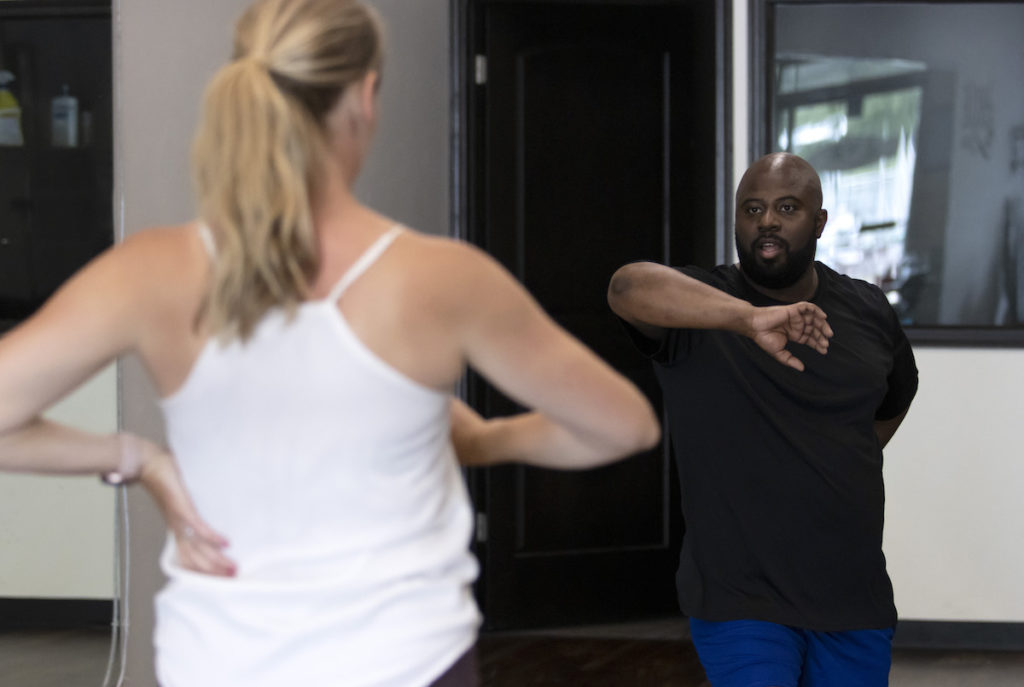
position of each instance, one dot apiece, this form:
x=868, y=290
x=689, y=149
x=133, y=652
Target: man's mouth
x=769, y=248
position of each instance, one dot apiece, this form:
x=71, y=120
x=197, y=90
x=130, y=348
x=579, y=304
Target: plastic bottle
x=10, y=113
x=64, y=120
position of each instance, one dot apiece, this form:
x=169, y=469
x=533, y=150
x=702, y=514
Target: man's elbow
x=621, y=286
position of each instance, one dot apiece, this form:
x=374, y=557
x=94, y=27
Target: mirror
x=913, y=116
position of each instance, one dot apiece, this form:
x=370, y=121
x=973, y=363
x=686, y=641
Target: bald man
x=782, y=381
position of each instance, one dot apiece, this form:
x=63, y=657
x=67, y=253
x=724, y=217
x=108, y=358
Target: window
x=913, y=116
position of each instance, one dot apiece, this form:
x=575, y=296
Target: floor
x=54, y=658
x=649, y=654
x=659, y=654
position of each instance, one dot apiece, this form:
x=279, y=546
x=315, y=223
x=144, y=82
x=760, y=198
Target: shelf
x=56, y=203
x=54, y=8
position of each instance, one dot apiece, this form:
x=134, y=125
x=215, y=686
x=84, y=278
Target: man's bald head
x=797, y=172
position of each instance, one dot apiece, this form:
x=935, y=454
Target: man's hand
x=804, y=323
x=200, y=548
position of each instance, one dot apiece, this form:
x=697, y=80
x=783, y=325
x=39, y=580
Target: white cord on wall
x=114, y=620
x=122, y=583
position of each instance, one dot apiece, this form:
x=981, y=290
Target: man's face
x=778, y=222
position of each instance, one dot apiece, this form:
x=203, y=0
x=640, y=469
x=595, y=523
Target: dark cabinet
x=56, y=188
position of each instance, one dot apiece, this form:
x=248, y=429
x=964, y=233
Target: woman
x=305, y=348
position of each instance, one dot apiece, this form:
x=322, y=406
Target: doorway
x=589, y=134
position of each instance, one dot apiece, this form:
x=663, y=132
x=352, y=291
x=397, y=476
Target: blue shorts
x=753, y=653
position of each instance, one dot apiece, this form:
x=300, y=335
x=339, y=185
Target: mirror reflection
x=893, y=118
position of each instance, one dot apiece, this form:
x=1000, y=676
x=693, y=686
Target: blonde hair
x=259, y=149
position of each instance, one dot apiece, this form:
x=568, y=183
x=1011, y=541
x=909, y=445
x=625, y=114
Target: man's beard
x=783, y=271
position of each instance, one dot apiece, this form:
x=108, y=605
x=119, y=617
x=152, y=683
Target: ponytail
x=259, y=149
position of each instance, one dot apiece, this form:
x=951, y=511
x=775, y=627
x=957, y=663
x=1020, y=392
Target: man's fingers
x=787, y=358
x=820, y=342
x=812, y=327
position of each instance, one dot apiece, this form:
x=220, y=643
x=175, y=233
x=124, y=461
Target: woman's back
x=333, y=474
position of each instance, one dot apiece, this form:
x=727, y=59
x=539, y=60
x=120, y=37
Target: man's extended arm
x=654, y=298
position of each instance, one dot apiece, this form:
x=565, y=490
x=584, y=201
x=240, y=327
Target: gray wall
x=164, y=54
x=407, y=176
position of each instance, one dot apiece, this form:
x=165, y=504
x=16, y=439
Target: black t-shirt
x=781, y=470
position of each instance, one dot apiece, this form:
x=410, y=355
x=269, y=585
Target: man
x=781, y=571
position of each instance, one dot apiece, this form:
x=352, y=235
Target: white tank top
x=334, y=479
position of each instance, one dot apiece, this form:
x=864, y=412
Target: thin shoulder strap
x=206, y=236
x=364, y=262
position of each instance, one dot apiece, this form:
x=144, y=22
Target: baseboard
x=932, y=634
x=54, y=614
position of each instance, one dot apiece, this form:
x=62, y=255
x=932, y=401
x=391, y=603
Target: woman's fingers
x=203, y=556
x=200, y=547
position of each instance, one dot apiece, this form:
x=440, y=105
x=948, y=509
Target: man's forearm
x=646, y=293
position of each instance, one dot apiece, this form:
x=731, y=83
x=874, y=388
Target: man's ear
x=819, y=222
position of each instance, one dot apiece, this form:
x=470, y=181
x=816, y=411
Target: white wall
x=954, y=515
x=57, y=533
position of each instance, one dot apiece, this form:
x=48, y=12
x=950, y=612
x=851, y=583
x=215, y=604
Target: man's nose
x=767, y=220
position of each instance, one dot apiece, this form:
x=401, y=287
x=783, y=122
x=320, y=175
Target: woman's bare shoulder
x=157, y=256
x=443, y=259
x=145, y=276
x=163, y=245
x=461, y=281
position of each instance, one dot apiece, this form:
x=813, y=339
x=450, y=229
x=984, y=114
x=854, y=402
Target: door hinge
x=481, y=528
x=480, y=69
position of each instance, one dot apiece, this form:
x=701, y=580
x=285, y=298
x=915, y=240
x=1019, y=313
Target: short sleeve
x=676, y=342
x=661, y=351
x=902, y=379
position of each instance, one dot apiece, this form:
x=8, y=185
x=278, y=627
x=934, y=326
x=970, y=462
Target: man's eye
x=787, y=208
x=753, y=211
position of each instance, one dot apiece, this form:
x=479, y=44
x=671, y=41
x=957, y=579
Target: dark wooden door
x=593, y=144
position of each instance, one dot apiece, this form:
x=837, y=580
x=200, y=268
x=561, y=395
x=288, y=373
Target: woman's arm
x=98, y=315
x=585, y=413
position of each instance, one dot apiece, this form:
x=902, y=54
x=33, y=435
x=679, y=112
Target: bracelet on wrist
x=129, y=462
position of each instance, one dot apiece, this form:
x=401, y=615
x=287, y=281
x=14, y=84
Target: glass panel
x=920, y=146
x=864, y=149
x=56, y=151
